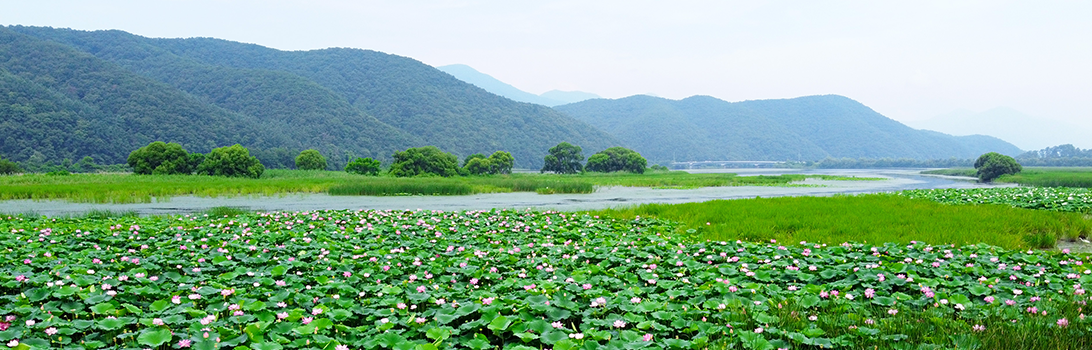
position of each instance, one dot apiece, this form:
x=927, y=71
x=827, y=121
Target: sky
x=908, y=60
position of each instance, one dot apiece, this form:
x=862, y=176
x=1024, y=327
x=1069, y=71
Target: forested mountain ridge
x=344, y=102
x=802, y=129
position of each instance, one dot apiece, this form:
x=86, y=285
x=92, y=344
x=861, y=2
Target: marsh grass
x=1051, y=177
x=866, y=219
x=128, y=188
x=226, y=211
x=913, y=328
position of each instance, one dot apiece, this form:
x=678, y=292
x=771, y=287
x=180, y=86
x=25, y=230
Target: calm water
x=900, y=179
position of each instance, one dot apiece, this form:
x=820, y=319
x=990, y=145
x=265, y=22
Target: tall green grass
x=1051, y=177
x=128, y=188
x=866, y=218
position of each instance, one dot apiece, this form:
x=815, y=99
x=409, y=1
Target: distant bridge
x=726, y=164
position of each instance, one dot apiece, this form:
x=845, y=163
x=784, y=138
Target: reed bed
x=866, y=218
x=1051, y=177
x=128, y=188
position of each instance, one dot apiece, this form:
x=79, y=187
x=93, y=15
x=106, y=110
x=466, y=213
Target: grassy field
x=1033, y=176
x=866, y=218
x=128, y=188
x=1051, y=177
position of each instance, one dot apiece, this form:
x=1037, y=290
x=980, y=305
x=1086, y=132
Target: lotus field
x=1047, y=198
x=513, y=280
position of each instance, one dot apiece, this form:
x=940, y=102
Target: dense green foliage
x=428, y=160
x=1054, y=199
x=991, y=165
x=1062, y=155
x=231, y=161
x=363, y=166
x=310, y=160
x=616, y=159
x=500, y=162
x=801, y=129
x=162, y=158
x=512, y=279
x=8, y=167
x=841, y=219
x=68, y=94
x=565, y=158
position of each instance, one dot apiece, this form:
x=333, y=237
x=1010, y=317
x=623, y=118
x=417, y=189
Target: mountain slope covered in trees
x=206, y=93
x=803, y=129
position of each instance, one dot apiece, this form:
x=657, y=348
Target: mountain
x=125, y=90
x=805, y=129
x=550, y=98
x=1026, y=132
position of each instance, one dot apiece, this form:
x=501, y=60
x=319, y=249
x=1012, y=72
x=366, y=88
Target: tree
x=479, y=166
x=161, y=158
x=500, y=162
x=992, y=165
x=363, y=166
x=564, y=158
x=472, y=157
x=617, y=159
x=423, y=161
x=310, y=160
x=231, y=161
x=8, y=167
x=85, y=165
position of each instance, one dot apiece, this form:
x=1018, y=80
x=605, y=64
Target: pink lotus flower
x=487, y=301
x=184, y=343
x=307, y=320
x=647, y=337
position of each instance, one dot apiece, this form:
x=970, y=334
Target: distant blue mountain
x=806, y=129
x=488, y=83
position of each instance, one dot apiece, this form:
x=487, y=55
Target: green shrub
x=424, y=161
x=231, y=161
x=565, y=158
x=617, y=159
x=363, y=166
x=8, y=167
x=161, y=158
x=310, y=160
x=993, y=164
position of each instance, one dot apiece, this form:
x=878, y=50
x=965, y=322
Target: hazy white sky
x=909, y=60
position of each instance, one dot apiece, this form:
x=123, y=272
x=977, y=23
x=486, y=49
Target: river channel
x=605, y=197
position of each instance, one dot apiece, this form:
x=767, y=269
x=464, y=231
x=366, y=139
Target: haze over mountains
x=66, y=94
x=489, y=83
x=805, y=128
x=1024, y=131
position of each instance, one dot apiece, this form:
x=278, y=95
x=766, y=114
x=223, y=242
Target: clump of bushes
x=363, y=166
x=500, y=162
x=617, y=159
x=8, y=167
x=160, y=158
x=992, y=165
x=310, y=160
